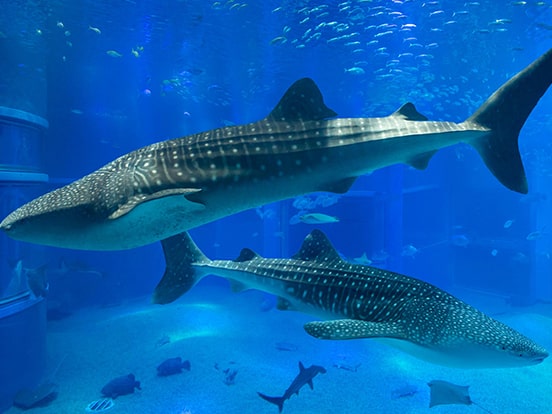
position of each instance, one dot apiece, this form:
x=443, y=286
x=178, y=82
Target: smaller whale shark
x=358, y=301
x=304, y=377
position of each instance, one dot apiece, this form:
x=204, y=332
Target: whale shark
x=357, y=301
x=172, y=186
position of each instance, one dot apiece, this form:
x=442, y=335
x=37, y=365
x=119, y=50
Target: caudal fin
x=504, y=113
x=180, y=254
x=279, y=401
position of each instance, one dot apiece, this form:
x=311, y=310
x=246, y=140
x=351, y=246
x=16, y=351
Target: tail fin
x=180, y=254
x=504, y=113
x=279, y=401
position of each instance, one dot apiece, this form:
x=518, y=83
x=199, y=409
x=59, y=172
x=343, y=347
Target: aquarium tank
x=303, y=206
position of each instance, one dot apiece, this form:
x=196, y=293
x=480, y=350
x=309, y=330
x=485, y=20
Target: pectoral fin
x=421, y=161
x=353, y=329
x=237, y=287
x=142, y=199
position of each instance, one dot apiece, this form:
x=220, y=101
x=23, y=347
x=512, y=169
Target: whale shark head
x=471, y=339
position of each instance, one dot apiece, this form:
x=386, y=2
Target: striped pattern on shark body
x=358, y=301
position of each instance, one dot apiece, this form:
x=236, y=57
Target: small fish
x=172, y=366
x=409, y=251
x=286, y=346
x=60, y=25
x=508, y=224
x=121, y=386
x=363, y=260
x=355, y=71
x=94, y=29
x=386, y=33
x=278, y=40
x=519, y=257
x=230, y=376
x=347, y=367
x=535, y=235
x=380, y=257
x=498, y=22
x=113, y=53
x=460, y=240
x=318, y=218
x=544, y=26
x=404, y=392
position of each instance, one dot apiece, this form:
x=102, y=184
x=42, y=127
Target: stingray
x=36, y=397
x=443, y=392
x=40, y=396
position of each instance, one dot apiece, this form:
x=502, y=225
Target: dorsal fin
x=409, y=113
x=303, y=101
x=317, y=247
x=246, y=255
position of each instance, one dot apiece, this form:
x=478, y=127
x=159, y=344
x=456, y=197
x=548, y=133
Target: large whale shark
x=165, y=188
x=358, y=301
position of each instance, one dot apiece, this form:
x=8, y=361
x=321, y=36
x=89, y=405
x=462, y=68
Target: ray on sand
x=42, y=395
x=444, y=392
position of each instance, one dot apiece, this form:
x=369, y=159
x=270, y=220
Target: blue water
x=110, y=78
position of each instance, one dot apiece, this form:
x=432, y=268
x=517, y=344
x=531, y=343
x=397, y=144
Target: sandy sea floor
x=217, y=330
